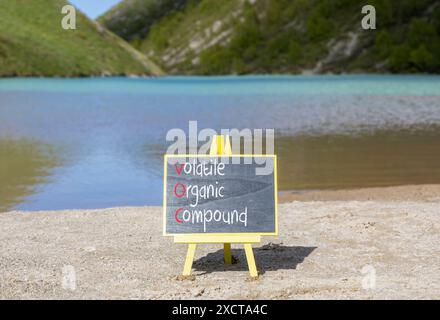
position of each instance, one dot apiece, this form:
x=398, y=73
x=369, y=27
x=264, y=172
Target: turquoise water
x=237, y=85
x=94, y=143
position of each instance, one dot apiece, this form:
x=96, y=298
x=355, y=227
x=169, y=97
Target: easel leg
x=227, y=252
x=250, y=260
x=189, y=259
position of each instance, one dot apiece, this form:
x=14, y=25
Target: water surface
x=94, y=143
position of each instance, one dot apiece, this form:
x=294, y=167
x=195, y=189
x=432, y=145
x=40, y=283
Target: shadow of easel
x=270, y=257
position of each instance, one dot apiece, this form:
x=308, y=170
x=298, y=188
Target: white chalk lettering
x=206, y=216
x=204, y=168
x=204, y=192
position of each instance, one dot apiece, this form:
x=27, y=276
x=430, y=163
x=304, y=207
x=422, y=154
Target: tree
x=383, y=43
x=294, y=52
x=422, y=58
x=421, y=32
x=400, y=58
x=216, y=60
x=318, y=27
x=437, y=20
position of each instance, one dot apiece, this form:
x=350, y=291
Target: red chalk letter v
x=179, y=170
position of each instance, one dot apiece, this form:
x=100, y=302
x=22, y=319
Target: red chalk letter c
x=176, y=216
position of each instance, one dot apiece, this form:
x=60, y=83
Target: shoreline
x=421, y=192
x=324, y=250
x=146, y=75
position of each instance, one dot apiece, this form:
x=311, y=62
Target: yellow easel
x=220, y=146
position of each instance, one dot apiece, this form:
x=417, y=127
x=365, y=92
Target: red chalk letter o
x=183, y=189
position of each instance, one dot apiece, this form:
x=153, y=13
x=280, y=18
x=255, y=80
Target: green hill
x=282, y=36
x=32, y=43
x=142, y=15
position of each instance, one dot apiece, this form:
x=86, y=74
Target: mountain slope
x=290, y=36
x=32, y=43
x=142, y=15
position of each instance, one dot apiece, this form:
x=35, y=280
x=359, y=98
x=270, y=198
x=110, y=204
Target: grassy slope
x=32, y=43
x=291, y=36
x=143, y=14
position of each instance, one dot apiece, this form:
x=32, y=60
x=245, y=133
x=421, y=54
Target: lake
x=96, y=143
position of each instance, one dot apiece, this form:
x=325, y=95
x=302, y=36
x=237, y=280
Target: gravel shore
x=376, y=243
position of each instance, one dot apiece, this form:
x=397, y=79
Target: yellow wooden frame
x=167, y=156
x=220, y=147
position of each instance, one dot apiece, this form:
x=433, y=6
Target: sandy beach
x=349, y=244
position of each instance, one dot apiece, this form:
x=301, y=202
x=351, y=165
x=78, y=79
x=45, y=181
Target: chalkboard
x=220, y=195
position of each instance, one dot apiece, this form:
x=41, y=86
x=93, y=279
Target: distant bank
x=283, y=36
x=210, y=37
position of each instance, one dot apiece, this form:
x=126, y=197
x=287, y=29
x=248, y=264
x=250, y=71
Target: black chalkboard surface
x=220, y=195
